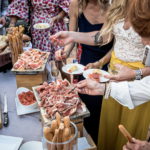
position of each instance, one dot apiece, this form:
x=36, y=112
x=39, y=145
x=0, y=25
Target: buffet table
x=29, y=126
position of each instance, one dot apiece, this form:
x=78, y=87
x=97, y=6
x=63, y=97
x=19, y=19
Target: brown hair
x=83, y=3
x=140, y=17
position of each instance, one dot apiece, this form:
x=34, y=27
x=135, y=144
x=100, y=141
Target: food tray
x=32, y=71
x=76, y=116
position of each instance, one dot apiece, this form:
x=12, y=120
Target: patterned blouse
x=128, y=46
x=41, y=12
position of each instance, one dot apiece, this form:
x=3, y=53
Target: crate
x=5, y=59
x=31, y=80
x=89, y=140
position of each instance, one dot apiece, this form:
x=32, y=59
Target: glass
x=71, y=144
x=54, y=69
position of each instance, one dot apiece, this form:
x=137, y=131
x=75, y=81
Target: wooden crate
x=5, y=59
x=89, y=140
x=30, y=80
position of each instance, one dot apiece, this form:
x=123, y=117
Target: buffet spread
x=58, y=101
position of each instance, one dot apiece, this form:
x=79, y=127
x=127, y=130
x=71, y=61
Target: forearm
x=61, y=15
x=13, y=19
x=146, y=71
x=107, y=57
x=68, y=48
x=84, y=38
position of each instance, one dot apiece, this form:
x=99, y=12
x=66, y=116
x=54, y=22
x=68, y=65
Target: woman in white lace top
x=128, y=51
x=128, y=45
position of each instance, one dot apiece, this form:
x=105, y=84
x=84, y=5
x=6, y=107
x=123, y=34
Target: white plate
x=68, y=66
x=37, y=26
x=32, y=145
x=89, y=71
x=10, y=142
x=19, y=91
x=21, y=110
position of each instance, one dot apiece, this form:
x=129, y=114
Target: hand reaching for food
x=2, y=21
x=62, y=38
x=61, y=55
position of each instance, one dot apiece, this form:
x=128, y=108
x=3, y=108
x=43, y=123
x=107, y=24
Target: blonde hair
x=117, y=11
x=83, y=4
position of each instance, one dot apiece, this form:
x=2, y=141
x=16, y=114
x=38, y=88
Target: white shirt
x=131, y=94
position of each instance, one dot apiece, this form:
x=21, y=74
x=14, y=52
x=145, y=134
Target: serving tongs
x=72, y=89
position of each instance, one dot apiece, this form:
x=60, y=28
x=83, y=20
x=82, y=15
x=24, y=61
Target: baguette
x=67, y=121
x=58, y=118
x=125, y=133
x=47, y=133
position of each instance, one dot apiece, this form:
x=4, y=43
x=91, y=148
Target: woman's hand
x=2, y=21
x=90, y=87
x=137, y=145
x=96, y=65
x=61, y=55
x=124, y=74
x=62, y=38
x=52, y=21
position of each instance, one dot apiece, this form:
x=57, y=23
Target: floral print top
x=41, y=11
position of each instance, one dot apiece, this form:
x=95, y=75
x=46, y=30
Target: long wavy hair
x=118, y=10
x=140, y=17
x=104, y=4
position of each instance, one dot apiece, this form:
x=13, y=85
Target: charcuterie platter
x=31, y=62
x=56, y=97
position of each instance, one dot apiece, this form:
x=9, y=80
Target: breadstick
x=66, y=137
x=125, y=133
x=58, y=118
x=54, y=126
x=60, y=136
x=47, y=133
x=67, y=121
x=66, y=134
x=53, y=146
x=55, y=135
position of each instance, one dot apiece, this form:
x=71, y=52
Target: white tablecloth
x=27, y=126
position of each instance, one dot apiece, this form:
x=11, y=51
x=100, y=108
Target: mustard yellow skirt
x=112, y=114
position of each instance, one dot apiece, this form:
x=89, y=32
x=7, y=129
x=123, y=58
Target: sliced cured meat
x=55, y=98
x=31, y=60
x=27, y=98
